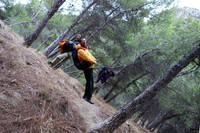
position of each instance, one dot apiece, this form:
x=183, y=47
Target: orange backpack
x=61, y=44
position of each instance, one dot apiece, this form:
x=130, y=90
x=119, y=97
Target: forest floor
x=35, y=98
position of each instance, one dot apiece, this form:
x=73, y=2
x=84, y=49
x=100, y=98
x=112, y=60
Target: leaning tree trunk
x=32, y=37
x=54, y=44
x=113, y=122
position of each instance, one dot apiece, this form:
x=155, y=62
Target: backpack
x=66, y=46
x=81, y=65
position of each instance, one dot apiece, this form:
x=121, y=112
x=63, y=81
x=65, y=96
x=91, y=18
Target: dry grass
x=32, y=98
x=35, y=98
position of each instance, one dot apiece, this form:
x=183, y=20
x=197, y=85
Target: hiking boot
x=84, y=97
x=88, y=100
x=50, y=63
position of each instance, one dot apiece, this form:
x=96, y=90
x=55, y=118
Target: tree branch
x=109, y=20
x=53, y=45
x=29, y=21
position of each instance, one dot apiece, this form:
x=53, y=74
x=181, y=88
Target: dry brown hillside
x=37, y=99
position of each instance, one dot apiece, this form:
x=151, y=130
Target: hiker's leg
x=60, y=63
x=55, y=61
x=58, y=59
x=64, y=55
x=89, y=83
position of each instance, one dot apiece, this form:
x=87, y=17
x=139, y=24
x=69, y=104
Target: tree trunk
x=113, y=122
x=110, y=91
x=32, y=37
x=54, y=44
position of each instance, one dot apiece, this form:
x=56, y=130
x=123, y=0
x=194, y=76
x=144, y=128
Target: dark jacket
x=104, y=74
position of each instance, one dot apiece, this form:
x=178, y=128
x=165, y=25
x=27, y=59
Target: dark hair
x=82, y=40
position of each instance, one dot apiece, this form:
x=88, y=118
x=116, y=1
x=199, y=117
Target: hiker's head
x=83, y=42
x=78, y=36
x=109, y=68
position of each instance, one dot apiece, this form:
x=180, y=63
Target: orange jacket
x=85, y=55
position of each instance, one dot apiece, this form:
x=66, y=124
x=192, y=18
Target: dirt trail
x=35, y=98
x=89, y=112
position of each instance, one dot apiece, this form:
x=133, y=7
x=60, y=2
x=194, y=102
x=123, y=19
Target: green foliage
x=184, y=98
x=6, y=9
x=131, y=3
x=48, y=3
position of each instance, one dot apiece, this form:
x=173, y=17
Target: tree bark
x=113, y=122
x=54, y=44
x=32, y=37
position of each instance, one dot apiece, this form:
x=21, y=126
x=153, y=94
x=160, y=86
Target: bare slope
x=35, y=98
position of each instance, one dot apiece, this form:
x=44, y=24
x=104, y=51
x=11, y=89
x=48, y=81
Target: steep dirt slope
x=35, y=98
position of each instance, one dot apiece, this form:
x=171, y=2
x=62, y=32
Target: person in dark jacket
x=85, y=56
x=105, y=73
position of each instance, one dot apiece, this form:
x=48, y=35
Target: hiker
x=105, y=73
x=77, y=39
x=65, y=46
x=86, y=63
